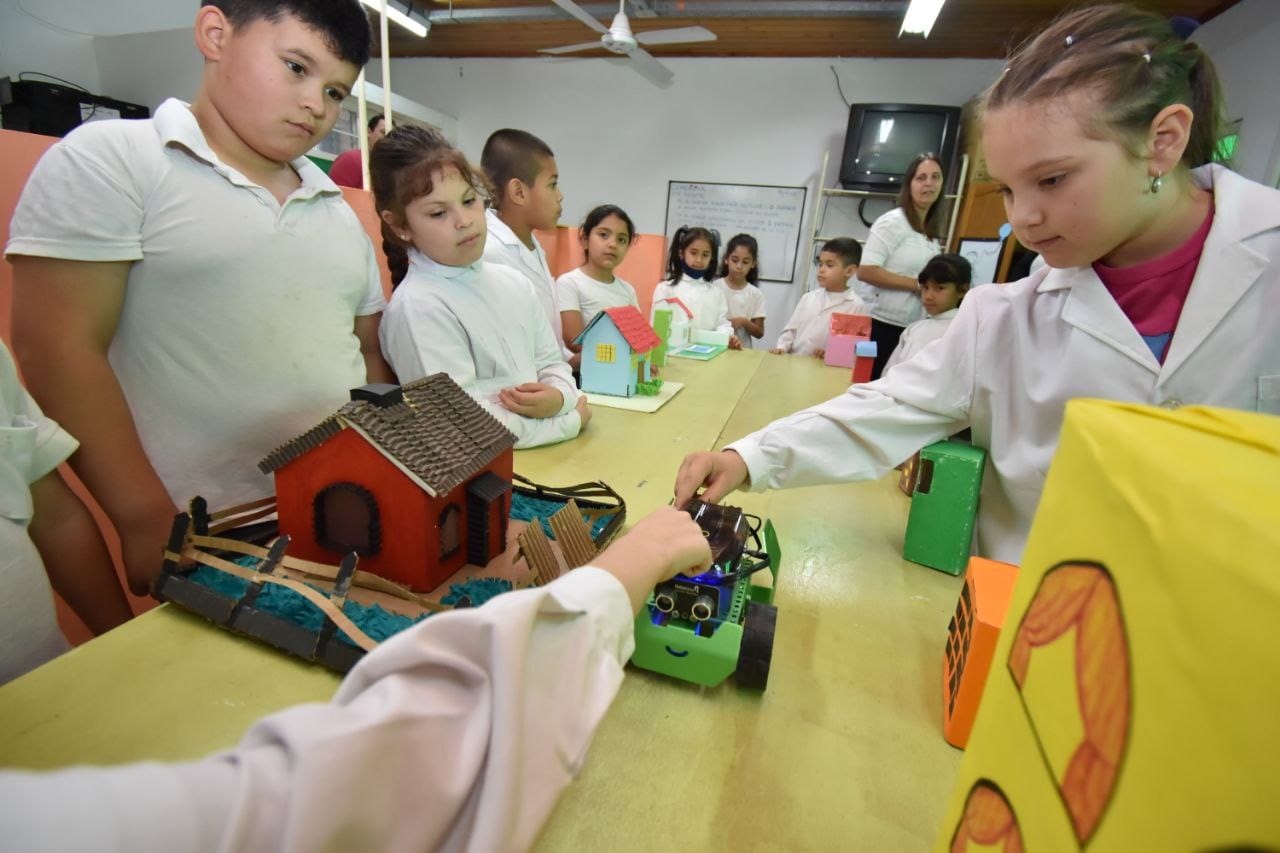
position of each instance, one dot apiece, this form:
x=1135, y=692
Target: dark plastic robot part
x=725, y=529
x=756, y=651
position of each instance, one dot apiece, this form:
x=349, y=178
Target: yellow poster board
x=1134, y=699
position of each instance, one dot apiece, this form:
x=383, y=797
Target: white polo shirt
x=895, y=246
x=237, y=328
x=577, y=291
x=503, y=247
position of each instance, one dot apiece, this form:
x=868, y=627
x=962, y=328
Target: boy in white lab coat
x=943, y=283
x=806, y=331
x=1162, y=280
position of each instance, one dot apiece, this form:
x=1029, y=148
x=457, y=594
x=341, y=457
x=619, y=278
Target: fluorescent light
x=886, y=128
x=410, y=24
x=920, y=16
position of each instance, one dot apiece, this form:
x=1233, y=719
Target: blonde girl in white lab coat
x=481, y=323
x=691, y=264
x=1162, y=285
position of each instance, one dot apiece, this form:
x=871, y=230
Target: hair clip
x=1147, y=57
x=1071, y=40
x=1006, y=69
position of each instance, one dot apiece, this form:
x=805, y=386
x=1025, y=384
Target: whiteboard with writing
x=770, y=214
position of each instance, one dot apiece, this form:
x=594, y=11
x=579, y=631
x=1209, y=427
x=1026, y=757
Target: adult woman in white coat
x=901, y=242
x=1100, y=132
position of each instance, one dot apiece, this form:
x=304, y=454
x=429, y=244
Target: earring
x=1157, y=181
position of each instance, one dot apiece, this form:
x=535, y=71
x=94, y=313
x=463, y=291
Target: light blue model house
x=617, y=346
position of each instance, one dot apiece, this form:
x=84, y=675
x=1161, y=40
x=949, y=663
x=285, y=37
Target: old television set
x=883, y=139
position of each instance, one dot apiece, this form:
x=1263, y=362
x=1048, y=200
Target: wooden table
x=843, y=751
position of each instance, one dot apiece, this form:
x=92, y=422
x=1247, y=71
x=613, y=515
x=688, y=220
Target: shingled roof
x=437, y=435
x=635, y=329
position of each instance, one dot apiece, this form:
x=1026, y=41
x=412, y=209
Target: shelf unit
x=825, y=194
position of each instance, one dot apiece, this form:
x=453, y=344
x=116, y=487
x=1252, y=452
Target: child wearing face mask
x=689, y=265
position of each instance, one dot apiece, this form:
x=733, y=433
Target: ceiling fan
x=618, y=38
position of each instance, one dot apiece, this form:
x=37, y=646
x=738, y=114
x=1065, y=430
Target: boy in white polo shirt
x=190, y=291
x=526, y=197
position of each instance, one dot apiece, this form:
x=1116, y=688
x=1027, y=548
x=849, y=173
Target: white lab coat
x=457, y=734
x=480, y=324
x=1015, y=354
x=919, y=335
x=806, y=331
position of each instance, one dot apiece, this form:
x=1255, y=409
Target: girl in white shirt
x=689, y=266
x=581, y=294
x=943, y=283
x=739, y=272
x=1100, y=134
x=450, y=312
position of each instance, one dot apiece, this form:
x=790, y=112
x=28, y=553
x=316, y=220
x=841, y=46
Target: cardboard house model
x=843, y=334
x=617, y=348
x=677, y=330
x=415, y=479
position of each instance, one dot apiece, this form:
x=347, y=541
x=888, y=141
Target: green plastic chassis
x=675, y=650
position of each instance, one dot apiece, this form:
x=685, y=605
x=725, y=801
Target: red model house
x=414, y=479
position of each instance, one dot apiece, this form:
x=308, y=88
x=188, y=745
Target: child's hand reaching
x=532, y=400
x=716, y=473
x=664, y=543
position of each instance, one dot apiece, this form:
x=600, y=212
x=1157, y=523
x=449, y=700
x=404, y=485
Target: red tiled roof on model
x=436, y=434
x=675, y=300
x=634, y=327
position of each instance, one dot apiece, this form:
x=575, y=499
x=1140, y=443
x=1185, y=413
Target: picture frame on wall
x=984, y=256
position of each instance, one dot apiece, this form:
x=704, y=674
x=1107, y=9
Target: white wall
x=1243, y=45
x=148, y=68
x=28, y=43
x=619, y=139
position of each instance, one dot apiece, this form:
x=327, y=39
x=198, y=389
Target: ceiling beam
x=671, y=9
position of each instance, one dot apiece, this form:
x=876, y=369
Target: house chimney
x=379, y=394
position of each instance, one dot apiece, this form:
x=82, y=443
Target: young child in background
x=526, y=196
x=689, y=264
x=348, y=169
x=44, y=527
x=1162, y=281
x=581, y=294
x=943, y=283
x=452, y=312
x=459, y=733
x=190, y=291
x=739, y=272
x=806, y=331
